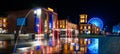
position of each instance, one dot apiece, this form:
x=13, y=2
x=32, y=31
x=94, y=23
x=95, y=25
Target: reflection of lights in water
x=77, y=47
x=37, y=47
x=85, y=39
x=71, y=47
x=76, y=40
x=31, y=52
x=93, y=47
x=50, y=42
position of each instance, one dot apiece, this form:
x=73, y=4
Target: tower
x=83, y=18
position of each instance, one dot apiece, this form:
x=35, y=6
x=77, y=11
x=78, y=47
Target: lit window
x=84, y=27
x=60, y=26
x=82, y=16
x=63, y=26
x=81, y=20
x=97, y=29
x=4, y=20
x=88, y=27
x=82, y=49
x=81, y=41
x=4, y=25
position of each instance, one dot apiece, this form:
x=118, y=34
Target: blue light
x=50, y=20
x=37, y=47
x=93, y=47
x=96, y=21
x=21, y=21
x=116, y=28
x=36, y=22
x=50, y=42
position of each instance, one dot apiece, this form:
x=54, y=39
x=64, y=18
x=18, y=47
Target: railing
x=6, y=36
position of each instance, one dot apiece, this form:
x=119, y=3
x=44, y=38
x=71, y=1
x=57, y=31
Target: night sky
x=108, y=11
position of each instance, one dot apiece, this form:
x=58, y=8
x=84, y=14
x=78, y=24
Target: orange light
x=82, y=49
x=71, y=47
x=84, y=27
x=24, y=53
x=50, y=9
x=97, y=29
x=88, y=27
x=31, y=52
x=81, y=20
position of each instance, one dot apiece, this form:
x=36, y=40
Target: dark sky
x=108, y=11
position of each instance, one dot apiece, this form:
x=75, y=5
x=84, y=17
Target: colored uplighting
x=37, y=19
x=50, y=21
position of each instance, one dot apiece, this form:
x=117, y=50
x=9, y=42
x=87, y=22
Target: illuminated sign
x=50, y=9
x=21, y=22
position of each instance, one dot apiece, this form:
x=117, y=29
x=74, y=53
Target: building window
x=4, y=25
x=82, y=16
x=81, y=27
x=63, y=26
x=88, y=27
x=84, y=27
x=82, y=21
x=60, y=26
x=4, y=20
x=97, y=29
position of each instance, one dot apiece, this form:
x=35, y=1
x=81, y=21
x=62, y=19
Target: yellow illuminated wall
x=3, y=25
x=64, y=24
x=83, y=18
x=91, y=29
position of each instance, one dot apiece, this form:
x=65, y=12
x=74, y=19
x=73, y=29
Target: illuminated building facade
x=3, y=25
x=116, y=28
x=85, y=28
x=66, y=28
x=46, y=21
x=89, y=29
x=36, y=20
x=62, y=24
x=83, y=18
x=65, y=24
